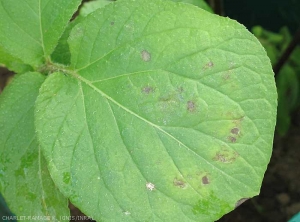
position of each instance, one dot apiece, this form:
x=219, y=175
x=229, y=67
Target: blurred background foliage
x=288, y=78
x=270, y=14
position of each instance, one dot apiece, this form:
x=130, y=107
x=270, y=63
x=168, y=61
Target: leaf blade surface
x=172, y=108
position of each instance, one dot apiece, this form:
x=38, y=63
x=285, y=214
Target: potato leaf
x=167, y=113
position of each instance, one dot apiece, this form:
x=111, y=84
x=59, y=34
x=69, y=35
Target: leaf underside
x=166, y=114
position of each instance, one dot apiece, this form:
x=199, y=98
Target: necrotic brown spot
x=180, y=89
x=191, y=106
x=235, y=131
x=147, y=90
x=146, y=56
x=226, y=76
x=226, y=156
x=112, y=23
x=208, y=65
x=205, y=180
x=179, y=183
x=232, y=139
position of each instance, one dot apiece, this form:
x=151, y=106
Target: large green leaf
x=30, y=29
x=24, y=178
x=166, y=114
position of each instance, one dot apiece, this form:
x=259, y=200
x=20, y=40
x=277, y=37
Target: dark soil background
x=279, y=199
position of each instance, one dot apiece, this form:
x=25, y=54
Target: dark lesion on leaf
x=231, y=139
x=191, y=106
x=226, y=156
x=167, y=103
x=226, y=76
x=147, y=90
x=112, y=23
x=235, y=131
x=205, y=180
x=179, y=183
x=208, y=65
x=180, y=89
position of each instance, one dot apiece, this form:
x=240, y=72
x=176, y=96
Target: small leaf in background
x=287, y=38
x=288, y=78
x=272, y=37
x=164, y=107
x=31, y=31
x=61, y=53
x=288, y=97
x=270, y=41
x=24, y=178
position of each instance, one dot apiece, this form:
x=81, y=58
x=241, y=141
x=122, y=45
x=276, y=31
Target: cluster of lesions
x=176, y=98
x=226, y=155
x=236, y=131
x=174, y=102
x=198, y=179
x=234, y=134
